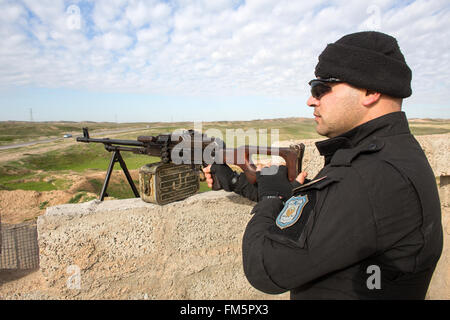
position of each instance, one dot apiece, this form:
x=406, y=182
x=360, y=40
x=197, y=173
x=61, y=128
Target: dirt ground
x=19, y=206
x=15, y=284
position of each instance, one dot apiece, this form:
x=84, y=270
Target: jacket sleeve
x=250, y=191
x=246, y=189
x=335, y=230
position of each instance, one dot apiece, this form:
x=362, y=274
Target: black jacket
x=370, y=228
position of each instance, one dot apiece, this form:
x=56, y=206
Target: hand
x=222, y=173
x=297, y=182
x=208, y=177
x=301, y=178
x=273, y=181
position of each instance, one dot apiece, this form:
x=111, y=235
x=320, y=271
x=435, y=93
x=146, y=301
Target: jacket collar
x=388, y=125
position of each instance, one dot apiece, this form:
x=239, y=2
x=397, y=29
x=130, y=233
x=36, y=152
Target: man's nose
x=312, y=102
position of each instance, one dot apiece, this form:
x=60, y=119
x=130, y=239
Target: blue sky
x=133, y=60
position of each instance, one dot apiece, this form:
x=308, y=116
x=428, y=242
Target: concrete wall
x=128, y=249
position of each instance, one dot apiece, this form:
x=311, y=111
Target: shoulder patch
x=290, y=224
x=292, y=211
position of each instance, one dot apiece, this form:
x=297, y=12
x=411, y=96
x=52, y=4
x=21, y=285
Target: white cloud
x=257, y=47
x=107, y=14
x=113, y=41
x=160, y=12
x=11, y=13
x=140, y=13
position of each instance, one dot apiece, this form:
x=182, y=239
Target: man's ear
x=370, y=98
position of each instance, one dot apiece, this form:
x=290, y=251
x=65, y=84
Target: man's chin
x=322, y=131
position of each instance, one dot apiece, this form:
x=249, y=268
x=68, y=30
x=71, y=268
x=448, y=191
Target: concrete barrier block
x=128, y=249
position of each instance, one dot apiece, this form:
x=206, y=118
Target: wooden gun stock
x=242, y=157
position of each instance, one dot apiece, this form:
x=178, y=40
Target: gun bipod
x=117, y=157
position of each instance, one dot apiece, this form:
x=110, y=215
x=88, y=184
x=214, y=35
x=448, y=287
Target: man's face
x=338, y=110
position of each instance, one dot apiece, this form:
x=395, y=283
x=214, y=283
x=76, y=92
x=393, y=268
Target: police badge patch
x=291, y=211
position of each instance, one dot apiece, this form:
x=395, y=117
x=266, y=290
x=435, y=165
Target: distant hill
x=289, y=128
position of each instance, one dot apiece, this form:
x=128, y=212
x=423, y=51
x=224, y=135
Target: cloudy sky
x=135, y=60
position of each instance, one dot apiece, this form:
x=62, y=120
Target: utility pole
x=31, y=115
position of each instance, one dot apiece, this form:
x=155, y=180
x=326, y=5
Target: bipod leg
x=127, y=174
x=108, y=175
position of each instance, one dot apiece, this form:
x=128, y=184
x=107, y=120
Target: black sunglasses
x=321, y=86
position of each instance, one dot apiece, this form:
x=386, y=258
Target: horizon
x=174, y=122
x=128, y=61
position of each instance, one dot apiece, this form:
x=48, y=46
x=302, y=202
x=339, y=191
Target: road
x=101, y=133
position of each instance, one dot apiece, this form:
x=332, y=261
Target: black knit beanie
x=368, y=60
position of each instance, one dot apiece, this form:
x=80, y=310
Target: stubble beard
x=332, y=126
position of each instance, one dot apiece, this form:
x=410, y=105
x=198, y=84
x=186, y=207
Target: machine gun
x=182, y=155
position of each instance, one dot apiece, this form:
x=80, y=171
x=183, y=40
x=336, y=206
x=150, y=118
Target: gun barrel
x=112, y=141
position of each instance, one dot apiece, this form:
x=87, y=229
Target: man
x=368, y=226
